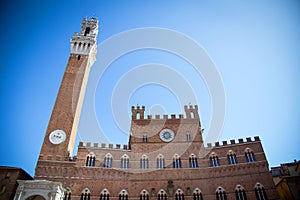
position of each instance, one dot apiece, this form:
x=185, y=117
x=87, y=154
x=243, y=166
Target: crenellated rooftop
x=103, y=146
x=126, y=147
x=233, y=142
x=138, y=113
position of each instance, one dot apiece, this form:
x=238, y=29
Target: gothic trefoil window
x=260, y=192
x=104, y=195
x=123, y=195
x=231, y=157
x=85, y=194
x=197, y=194
x=160, y=162
x=221, y=194
x=90, y=160
x=125, y=162
x=249, y=155
x=240, y=193
x=179, y=195
x=214, y=160
x=144, y=195
x=108, y=161
x=162, y=195
x=67, y=194
x=193, y=161
x=144, y=162
x=176, y=161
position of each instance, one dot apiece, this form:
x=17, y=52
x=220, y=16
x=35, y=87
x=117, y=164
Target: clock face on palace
x=57, y=136
x=166, y=135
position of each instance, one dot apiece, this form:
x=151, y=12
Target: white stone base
x=43, y=189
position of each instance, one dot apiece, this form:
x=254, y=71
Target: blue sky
x=255, y=46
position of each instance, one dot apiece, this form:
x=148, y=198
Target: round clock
x=57, y=136
x=166, y=135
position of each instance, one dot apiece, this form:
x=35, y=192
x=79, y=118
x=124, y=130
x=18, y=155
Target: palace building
x=165, y=157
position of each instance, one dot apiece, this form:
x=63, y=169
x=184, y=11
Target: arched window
x=67, y=194
x=231, y=157
x=87, y=31
x=160, y=162
x=193, y=161
x=107, y=161
x=260, y=192
x=124, y=161
x=179, y=195
x=104, y=195
x=85, y=194
x=240, y=193
x=162, y=195
x=214, y=160
x=145, y=138
x=197, y=194
x=176, y=161
x=123, y=195
x=192, y=115
x=220, y=193
x=75, y=45
x=90, y=160
x=188, y=137
x=249, y=155
x=144, y=162
x=138, y=115
x=144, y=195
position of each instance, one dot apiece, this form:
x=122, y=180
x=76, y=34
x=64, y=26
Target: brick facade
x=165, y=154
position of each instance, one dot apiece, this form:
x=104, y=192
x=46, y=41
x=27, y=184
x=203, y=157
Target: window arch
x=179, y=194
x=67, y=194
x=123, y=195
x=249, y=155
x=176, y=161
x=260, y=192
x=145, y=138
x=160, y=161
x=75, y=45
x=87, y=31
x=144, y=162
x=193, y=161
x=125, y=161
x=220, y=194
x=188, y=137
x=231, y=157
x=144, y=195
x=197, y=194
x=90, y=160
x=214, y=160
x=108, y=161
x=104, y=195
x=85, y=194
x=162, y=195
x=240, y=193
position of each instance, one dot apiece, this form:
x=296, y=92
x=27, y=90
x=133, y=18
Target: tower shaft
x=62, y=128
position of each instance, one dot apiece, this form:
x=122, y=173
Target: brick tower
x=165, y=159
x=61, y=132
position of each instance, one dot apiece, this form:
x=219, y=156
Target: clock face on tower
x=57, y=136
x=166, y=135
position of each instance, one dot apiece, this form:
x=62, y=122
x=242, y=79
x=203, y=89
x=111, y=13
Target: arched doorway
x=36, y=197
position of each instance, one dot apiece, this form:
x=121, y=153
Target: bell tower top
x=84, y=43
